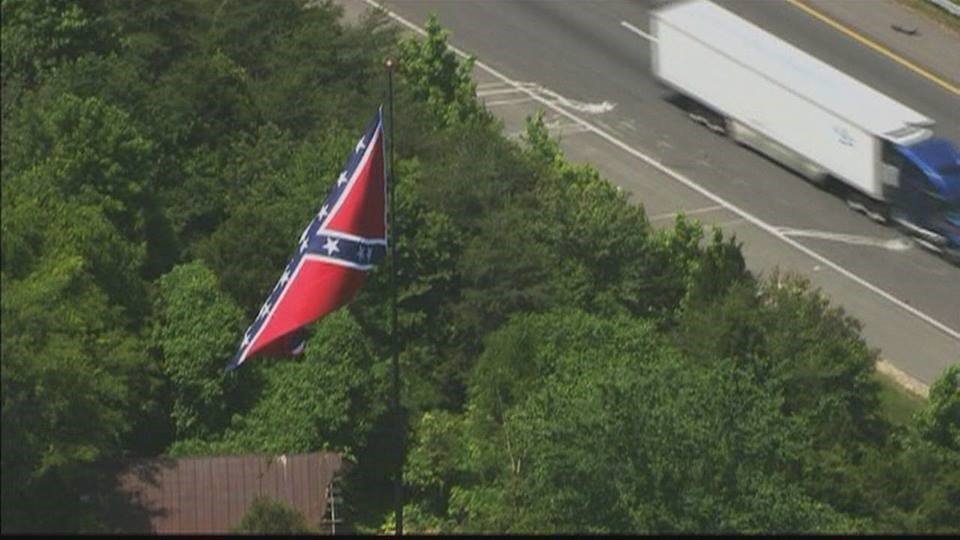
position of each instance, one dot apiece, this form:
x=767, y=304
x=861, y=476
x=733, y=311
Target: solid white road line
x=671, y=215
x=496, y=92
x=506, y=102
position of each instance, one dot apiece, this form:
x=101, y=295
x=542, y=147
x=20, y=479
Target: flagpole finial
x=390, y=63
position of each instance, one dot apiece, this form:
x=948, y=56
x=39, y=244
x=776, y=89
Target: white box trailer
x=779, y=99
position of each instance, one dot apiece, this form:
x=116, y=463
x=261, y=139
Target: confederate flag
x=344, y=240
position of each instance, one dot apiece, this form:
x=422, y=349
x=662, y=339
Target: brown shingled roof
x=211, y=494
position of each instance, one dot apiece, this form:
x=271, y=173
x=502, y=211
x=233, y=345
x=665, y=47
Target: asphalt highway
x=586, y=63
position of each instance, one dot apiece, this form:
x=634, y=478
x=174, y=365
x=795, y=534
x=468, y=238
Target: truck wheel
x=819, y=180
x=700, y=114
x=878, y=212
x=871, y=208
x=898, y=218
x=952, y=256
x=717, y=124
x=735, y=132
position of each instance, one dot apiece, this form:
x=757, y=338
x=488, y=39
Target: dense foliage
x=566, y=366
x=267, y=516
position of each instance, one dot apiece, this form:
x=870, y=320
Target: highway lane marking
x=638, y=31
x=581, y=106
x=524, y=87
x=496, y=92
x=894, y=244
x=691, y=184
x=491, y=84
x=875, y=46
x=506, y=102
x=559, y=127
x=671, y=215
x=727, y=223
x=556, y=128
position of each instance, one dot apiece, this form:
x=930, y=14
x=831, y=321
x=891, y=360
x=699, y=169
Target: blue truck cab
x=925, y=200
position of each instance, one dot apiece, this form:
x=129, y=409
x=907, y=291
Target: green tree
x=437, y=463
x=439, y=79
x=73, y=166
x=428, y=248
x=939, y=421
x=577, y=423
x=77, y=385
x=811, y=355
x=42, y=225
x=41, y=35
x=912, y=481
x=906, y=484
x=208, y=99
x=327, y=400
x=271, y=42
x=74, y=383
x=609, y=259
x=268, y=516
x=155, y=35
x=247, y=229
x=89, y=150
x=809, y=352
x=672, y=450
x=196, y=331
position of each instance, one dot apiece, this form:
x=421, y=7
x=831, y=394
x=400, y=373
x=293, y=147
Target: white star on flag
x=342, y=179
x=322, y=214
x=331, y=246
x=303, y=235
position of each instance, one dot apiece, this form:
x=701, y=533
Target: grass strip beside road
x=897, y=404
x=802, y=5
x=931, y=11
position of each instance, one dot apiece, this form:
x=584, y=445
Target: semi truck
x=766, y=94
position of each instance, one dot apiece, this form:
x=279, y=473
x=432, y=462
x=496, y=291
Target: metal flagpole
x=394, y=339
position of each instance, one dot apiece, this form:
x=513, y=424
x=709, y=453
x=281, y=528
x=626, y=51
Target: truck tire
x=735, y=132
x=819, y=179
x=706, y=116
x=898, y=218
x=876, y=211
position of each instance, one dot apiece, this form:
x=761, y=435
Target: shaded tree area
x=566, y=366
x=267, y=516
x=153, y=161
